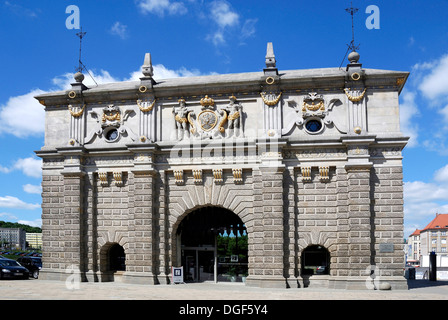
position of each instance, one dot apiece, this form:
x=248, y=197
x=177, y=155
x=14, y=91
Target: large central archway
x=213, y=245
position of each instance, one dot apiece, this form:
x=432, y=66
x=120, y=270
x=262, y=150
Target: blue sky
x=193, y=37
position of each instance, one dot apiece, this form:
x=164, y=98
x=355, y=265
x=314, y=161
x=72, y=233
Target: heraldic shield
x=208, y=120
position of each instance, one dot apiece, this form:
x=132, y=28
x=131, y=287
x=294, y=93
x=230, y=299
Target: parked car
x=33, y=264
x=10, y=269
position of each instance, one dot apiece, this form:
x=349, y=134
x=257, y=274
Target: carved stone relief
x=111, y=126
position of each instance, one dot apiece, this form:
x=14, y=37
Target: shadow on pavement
x=415, y=284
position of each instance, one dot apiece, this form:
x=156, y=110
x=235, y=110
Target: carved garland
x=76, y=114
x=355, y=99
x=114, y=117
x=147, y=108
x=270, y=102
x=313, y=107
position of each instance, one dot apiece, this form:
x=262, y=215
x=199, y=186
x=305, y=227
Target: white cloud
x=63, y=82
x=31, y=167
x=162, y=7
x=225, y=18
x=223, y=14
x=34, y=223
x=408, y=112
x=441, y=175
x=435, y=84
x=23, y=116
x=32, y=189
x=15, y=203
x=418, y=192
x=422, y=200
x=248, y=29
x=7, y=216
x=12, y=218
x=119, y=30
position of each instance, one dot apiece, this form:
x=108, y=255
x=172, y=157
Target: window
x=313, y=125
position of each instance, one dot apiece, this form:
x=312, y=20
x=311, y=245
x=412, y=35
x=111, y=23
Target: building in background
x=434, y=238
x=13, y=238
x=34, y=240
x=413, y=249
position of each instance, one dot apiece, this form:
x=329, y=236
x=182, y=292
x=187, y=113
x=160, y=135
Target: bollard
x=432, y=267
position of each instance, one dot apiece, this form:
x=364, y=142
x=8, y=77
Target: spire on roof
x=148, y=72
x=271, y=63
x=147, y=69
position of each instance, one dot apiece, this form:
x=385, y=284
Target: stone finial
x=353, y=57
x=78, y=85
x=270, y=56
x=147, y=69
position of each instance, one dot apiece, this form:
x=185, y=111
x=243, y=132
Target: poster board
x=177, y=275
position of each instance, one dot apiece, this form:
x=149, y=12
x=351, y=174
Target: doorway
x=315, y=260
x=213, y=246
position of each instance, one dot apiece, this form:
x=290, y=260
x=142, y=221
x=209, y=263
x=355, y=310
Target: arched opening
x=213, y=243
x=315, y=260
x=116, y=258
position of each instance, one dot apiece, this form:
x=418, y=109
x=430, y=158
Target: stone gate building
x=306, y=162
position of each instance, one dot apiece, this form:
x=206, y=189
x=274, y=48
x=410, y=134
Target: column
x=359, y=240
x=142, y=239
x=267, y=267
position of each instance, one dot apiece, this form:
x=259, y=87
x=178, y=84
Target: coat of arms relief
x=210, y=122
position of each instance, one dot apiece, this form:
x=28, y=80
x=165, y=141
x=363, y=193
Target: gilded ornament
x=355, y=99
x=76, y=114
x=313, y=107
x=207, y=102
x=148, y=108
x=217, y=175
x=208, y=120
x=142, y=89
x=237, y=175
x=234, y=116
x=356, y=76
x=306, y=174
x=72, y=94
x=270, y=80
x=180, y=120
x=324, y=173
x=103, y=178
x=115, y=116
x=223, y=121
x=197, y=175
x=179, y=176
x=118, y=177
x=270, y=102
x=400, y=81
x=193, y=128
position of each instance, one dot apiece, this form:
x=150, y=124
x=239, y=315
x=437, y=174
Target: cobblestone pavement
x=57, y=290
